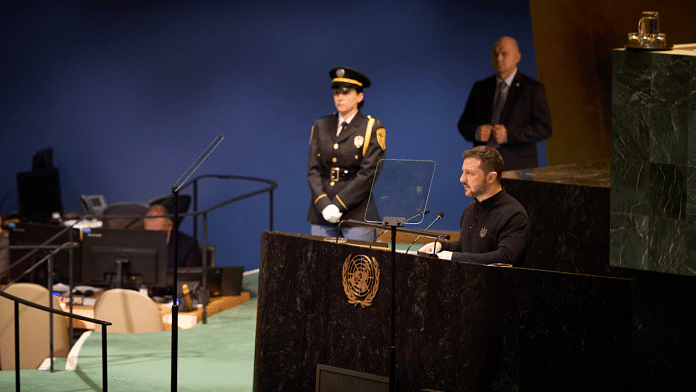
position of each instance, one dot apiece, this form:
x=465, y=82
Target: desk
x=186, y=319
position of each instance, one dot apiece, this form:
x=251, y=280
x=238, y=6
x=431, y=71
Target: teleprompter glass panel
x=400, y=189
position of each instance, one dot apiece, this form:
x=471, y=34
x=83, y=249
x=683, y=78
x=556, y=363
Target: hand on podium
x=428, y=248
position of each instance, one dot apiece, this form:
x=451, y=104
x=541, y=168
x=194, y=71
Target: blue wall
x=129, y=93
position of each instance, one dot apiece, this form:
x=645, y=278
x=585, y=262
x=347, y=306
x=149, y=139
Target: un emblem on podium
x=360, y=279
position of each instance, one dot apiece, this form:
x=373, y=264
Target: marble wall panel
x=653, y=156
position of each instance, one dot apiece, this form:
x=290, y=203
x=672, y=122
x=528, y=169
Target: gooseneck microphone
x=438, y=217
x=424, y=213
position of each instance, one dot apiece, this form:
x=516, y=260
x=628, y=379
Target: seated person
x=494, y=227
x=188, y=253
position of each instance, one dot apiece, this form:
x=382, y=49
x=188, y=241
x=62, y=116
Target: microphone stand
x=392, y=223
x=424, y=213
x=175, y=271
x=439, y=216
x=175, y=291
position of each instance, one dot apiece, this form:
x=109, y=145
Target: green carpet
x=218, y=356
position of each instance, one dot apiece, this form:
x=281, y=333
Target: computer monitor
x=38, y=195
x=221, y=281
x=141, y=255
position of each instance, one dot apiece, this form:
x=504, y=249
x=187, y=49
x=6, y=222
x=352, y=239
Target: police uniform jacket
x=341, y=169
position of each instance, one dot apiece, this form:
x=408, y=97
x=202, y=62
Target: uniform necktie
x=499, y=103
x=344, y=125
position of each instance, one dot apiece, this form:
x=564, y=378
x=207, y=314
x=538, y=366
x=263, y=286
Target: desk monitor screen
x=38, y=195
x=142, y=255
x=221, y=281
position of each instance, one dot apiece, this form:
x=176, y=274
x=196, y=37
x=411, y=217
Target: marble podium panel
x=653, y=173
x=458, y=326
x=568, y=209
x=569, y=212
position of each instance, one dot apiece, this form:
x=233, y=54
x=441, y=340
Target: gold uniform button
x=356, y=157
x=332, y=183
x=335, y=146
x=334, y=160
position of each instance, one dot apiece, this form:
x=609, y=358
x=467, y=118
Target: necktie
x=499, y=103
x=344, y=125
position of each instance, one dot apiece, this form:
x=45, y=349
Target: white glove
x=332, y=214
x=445, y=255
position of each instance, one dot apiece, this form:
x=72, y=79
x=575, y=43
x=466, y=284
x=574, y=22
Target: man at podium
x=494, y=227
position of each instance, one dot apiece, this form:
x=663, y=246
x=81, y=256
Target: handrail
x=56, y=249
x=38, y=247
x=17, y=301
x=194, y=182
x=55, y=311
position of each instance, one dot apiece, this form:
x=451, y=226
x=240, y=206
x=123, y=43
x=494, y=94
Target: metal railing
x=194, y=183
x=204, y=215
x=51, y=311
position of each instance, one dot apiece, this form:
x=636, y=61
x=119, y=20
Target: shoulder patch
x=382, y=138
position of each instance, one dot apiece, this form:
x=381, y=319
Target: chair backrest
x=128, y=311
x=131, y=209
x=34, y=328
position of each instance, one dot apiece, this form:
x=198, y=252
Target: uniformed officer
x=344, y=149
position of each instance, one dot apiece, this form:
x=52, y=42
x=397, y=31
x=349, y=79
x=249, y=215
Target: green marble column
x=653, y=171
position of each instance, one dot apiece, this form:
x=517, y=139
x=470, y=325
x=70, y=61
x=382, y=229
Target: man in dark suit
x=188, y=254
x=507, y=111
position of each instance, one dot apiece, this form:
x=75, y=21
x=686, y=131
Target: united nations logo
x=360, y=279
x=341, y=72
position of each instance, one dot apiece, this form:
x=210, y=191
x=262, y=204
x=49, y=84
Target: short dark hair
x=490, y=159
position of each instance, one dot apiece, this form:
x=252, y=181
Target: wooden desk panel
x=186, y=319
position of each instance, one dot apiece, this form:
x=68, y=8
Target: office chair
x=34, y=329
x=128, y=311
x=130, y=209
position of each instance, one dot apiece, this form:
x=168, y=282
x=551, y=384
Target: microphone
x=424, y=213
x=438, y=217
x=187, y=297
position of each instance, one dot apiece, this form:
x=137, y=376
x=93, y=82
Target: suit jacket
x=188, y=256
x=525, y=116
x=356, y=150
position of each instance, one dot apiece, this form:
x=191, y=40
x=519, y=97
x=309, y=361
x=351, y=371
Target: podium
x=458, y=326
